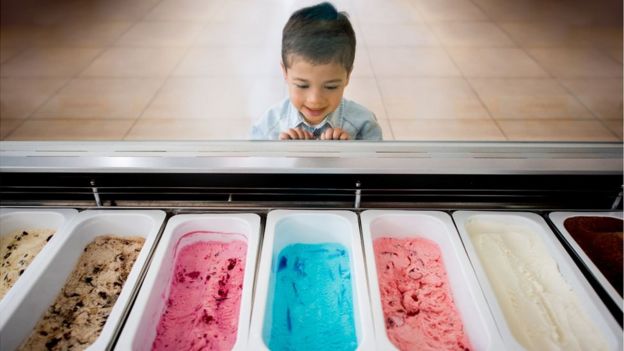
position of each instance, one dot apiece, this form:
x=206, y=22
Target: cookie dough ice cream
x=76, y=318
x=18, y=249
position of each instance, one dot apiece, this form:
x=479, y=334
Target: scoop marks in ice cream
x=18, y=249
x=79, y=313
x=312, y=302
x=542, y=311
x=201, y=311
x=601, y=240
x=417, y=303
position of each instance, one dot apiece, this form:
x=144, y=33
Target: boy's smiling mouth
x=318, y=112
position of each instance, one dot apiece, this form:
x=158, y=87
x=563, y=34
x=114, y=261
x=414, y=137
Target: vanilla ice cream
x=541, y=309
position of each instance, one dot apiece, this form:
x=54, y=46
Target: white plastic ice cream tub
x=24, y=218
x=140, y=329
x=593, y=308
x=558, y=218
x=438, y=227
x=19, y=319
x=286, y=227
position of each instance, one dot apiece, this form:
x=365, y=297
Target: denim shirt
x=351, y=117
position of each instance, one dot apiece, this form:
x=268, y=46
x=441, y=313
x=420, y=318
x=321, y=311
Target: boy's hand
x=296, y=134
x=335, y=134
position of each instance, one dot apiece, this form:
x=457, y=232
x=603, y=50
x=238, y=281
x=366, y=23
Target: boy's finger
x=327, y=134
x=300, y=134
x=284, y=136
x=337, y=133
x=292, y=134
x=344, y=136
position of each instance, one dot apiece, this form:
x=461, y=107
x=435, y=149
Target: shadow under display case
x=432, y=180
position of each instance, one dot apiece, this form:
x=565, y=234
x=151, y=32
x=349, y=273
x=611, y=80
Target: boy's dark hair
x=321, y=35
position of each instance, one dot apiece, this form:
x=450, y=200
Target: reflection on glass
x=482, y=70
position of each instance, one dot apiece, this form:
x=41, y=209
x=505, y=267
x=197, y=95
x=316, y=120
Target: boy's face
x=315, y=90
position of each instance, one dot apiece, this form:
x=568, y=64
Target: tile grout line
x=463, y=76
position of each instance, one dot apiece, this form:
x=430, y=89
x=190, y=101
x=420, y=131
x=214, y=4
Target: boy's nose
x=315, y=97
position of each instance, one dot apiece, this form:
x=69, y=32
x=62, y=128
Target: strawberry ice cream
x=418, y=306
x=204, y=298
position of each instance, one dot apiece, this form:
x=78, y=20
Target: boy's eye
x=301, y=86
x=332, y=87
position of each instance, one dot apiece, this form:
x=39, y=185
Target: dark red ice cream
x=601, y=239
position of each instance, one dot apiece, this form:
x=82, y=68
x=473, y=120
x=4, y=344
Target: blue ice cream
x=312, y=300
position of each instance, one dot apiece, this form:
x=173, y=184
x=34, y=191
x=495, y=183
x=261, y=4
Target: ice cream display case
x=377, y=238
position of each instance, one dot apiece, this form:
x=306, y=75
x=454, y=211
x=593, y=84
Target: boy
x=318, y=49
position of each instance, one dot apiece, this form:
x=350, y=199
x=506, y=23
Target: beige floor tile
x=93, y=98
x=259, y=13
x=412, y=62
x=535, y=10
x=528, y=99
x=440, y=129
x=577, y=63
x=384, y=35
x=7, y=126
x=544, y=34
x=230, y=61
x=601, y=96
x=36, y=13
x=183, y=10
x=135, y=62
x=6, y=53
x=49, y=62
x=20, y=35
x=95, y=34
x=160, y=34
x=110, y=10
x=499, y=62
x=362, y=67
x=389, y=12
x=560, y=130
x=225, y=34
x=602, y=36
x=449, y=10
x=71, y=129
x=471, y=34
x=430, y=98
x=215, y=98
x=365, y=92
x=190, y=129
x=20, y=97
x=386, y=130
x=615, y=125
x=615, y=53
